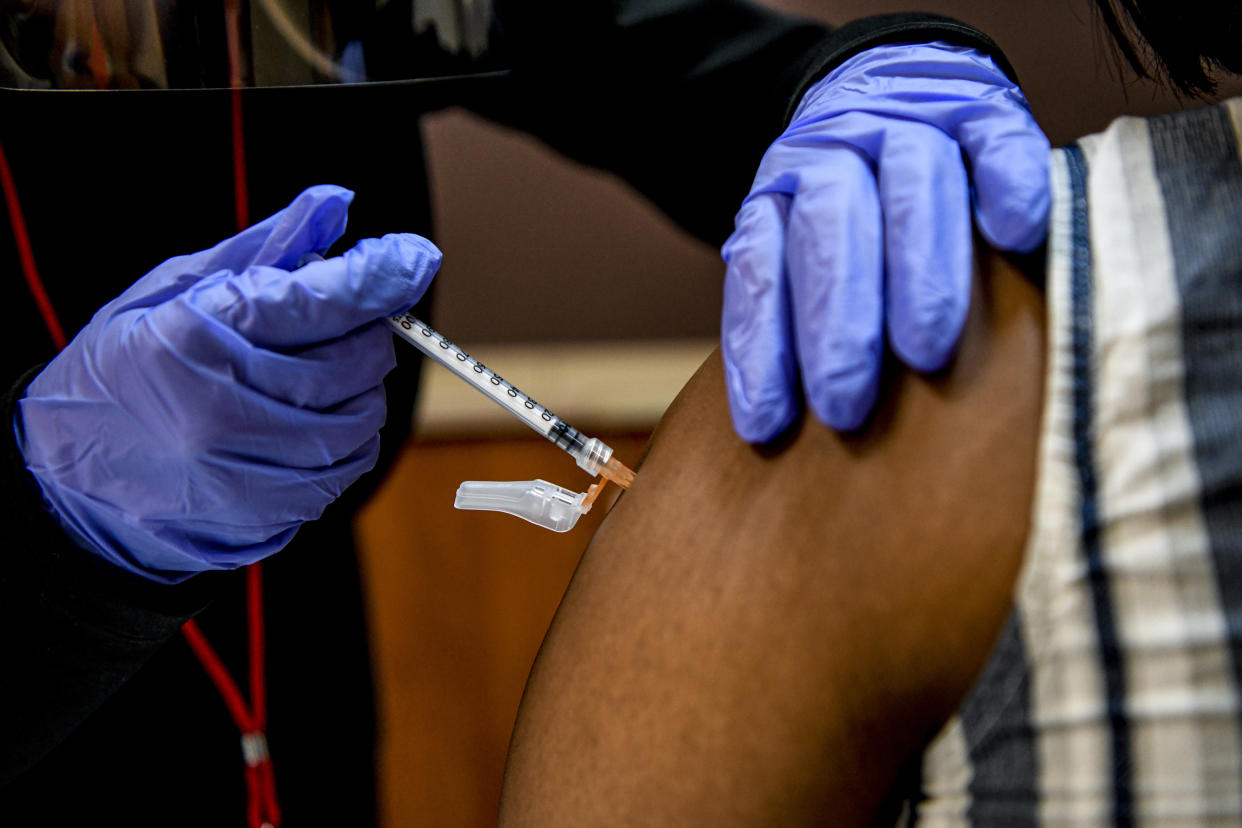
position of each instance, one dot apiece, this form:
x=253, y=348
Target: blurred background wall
x=460, y=600
x=518, y=225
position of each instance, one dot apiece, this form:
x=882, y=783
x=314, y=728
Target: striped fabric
x=1113, y=694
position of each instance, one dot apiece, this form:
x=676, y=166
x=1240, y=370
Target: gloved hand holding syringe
x=542, y=503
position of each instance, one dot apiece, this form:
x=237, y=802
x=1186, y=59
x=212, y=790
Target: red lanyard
x=262, y=808
x=26, y=255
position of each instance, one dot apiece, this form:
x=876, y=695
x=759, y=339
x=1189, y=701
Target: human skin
x=767, y=636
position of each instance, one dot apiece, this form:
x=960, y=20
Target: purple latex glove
x=226, y=397
x=859, y=220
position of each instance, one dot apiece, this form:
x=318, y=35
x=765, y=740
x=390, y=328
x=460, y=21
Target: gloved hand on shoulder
x=858, y=224
x=226, y=397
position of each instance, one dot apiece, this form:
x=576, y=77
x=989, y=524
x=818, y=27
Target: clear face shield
x=181, y=44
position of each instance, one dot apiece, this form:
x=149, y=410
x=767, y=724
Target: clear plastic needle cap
x=538, y=501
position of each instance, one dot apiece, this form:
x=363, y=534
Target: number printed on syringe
x=438, y=347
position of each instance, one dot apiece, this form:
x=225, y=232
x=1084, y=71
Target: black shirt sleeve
x=679, y=97
x=75, y=627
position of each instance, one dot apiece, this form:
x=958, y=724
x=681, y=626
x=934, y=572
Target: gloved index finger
x=276, y=308
x=311, y=223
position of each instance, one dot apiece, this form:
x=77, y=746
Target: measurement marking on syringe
x=528, y=408
x=591, y=454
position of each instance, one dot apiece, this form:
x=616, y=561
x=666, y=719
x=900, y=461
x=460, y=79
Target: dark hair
x=1185, y=40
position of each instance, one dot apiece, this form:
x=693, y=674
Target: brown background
x=458, y=613
x=530, y=240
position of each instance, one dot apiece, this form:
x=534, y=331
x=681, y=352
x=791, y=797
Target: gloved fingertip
x=761, y=425
x=1013, y=195
x=326, y=207
x=928, y=354
x=417, y=259
x=929, y=346
x=311, y=223
x=845, y=414
x=325, y=193
x=760, y=387
x=1019, y=223
x=422, y=251
x=844, y=401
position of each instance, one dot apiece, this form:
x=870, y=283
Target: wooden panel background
x=459, y=602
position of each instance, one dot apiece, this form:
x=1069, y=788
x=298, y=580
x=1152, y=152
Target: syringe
x=591, y=453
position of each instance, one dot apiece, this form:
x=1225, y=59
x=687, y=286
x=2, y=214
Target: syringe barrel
x=499, y=390
x=591, y=454
x=567, y=437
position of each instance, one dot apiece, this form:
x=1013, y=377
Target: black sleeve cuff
x=75, y=627
x=858, y=36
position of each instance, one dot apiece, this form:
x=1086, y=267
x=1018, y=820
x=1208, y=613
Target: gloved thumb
x=275, y=308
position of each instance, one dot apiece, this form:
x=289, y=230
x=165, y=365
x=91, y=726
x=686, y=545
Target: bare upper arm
x=764, y=636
